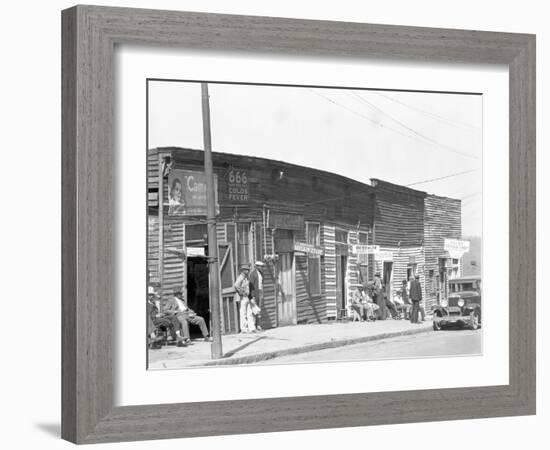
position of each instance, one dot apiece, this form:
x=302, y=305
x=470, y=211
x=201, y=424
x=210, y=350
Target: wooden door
x=341, y=264
x=388, y=279
x=286, y=292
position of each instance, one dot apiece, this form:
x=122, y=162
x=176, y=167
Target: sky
x=429, y=141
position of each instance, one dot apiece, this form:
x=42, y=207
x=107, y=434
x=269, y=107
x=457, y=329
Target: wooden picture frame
x=89, y=37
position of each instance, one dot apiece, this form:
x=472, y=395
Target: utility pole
x=215, y=316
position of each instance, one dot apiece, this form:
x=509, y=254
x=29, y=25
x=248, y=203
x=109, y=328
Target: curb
x=250, y=359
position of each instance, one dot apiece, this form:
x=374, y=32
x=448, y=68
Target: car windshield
x=459, y=287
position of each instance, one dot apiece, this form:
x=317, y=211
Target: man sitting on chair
x=177, y=306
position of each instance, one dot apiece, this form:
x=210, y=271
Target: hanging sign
x=383, y=256
x=365, y=249
x=286, y=221
x=187, y=193
x=308, y=248
x=237, y=185
x=456, y=247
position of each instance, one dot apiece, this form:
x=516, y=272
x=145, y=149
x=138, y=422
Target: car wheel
x=474, y=320
x=436, y=323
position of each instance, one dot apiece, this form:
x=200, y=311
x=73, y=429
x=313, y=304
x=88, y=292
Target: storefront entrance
x=341, y=265
x=198, y=298
x=286, y=295
x=388, y=279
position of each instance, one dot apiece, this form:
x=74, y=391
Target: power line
x=441, y=178
x=412, y=130
x=378, y=124
x=430, y=114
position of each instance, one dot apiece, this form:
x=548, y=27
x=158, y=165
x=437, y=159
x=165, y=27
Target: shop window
x=411, y=270
x=244, y=246
x=341, y=236
x=313, y=236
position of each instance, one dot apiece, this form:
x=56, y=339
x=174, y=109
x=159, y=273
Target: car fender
x=472, y=306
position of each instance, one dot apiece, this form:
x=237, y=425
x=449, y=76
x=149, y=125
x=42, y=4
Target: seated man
x=357, y=303
x=369, y=306
x=404, y=294
x=156, y=322
x=391, y=307
x=176, y=306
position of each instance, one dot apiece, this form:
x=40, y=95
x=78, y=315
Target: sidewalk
x=282, y=341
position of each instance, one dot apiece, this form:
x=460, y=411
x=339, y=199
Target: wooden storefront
x=292, y=218
x=306, y=225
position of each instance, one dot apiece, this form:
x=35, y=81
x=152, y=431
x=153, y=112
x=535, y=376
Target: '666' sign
x=237, y=180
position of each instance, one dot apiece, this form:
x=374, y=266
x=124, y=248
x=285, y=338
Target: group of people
x=174, y=316
x=249, y=295
x=372, y=303
x=410, y=297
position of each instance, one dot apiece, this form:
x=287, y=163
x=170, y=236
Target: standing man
x=405, y=298
x=242, y=286
x=256, y=294
x=416, y=297
x=378, y=297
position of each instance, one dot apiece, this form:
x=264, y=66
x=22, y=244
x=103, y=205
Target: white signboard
x=383, y=256
x=365, y=249
x=195, y=251
x=456, y=247
x=308, y=248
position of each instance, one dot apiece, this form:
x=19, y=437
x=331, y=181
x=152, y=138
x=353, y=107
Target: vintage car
x=463, y=306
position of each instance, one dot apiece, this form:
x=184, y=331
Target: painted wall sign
x=187, y=193
x=456, y=247
x=308, y=248
x=365, y=249
x=238, y=187
x=286, y=221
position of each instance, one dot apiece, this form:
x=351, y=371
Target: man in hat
x=415, y=295
x=157, y=321
x=177, y=306
x=378, y=297
x=256, y=294
x=242, y=286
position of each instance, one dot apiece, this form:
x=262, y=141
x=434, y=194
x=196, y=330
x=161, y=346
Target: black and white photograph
x=294, y=224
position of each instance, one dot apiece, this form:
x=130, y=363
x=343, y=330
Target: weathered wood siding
x=174, y=274
x=328, y=270
x=309, y=308
x=319, y=195
x=398, y=215
x=402, y=257
x=442, y=219
x=269, y=307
